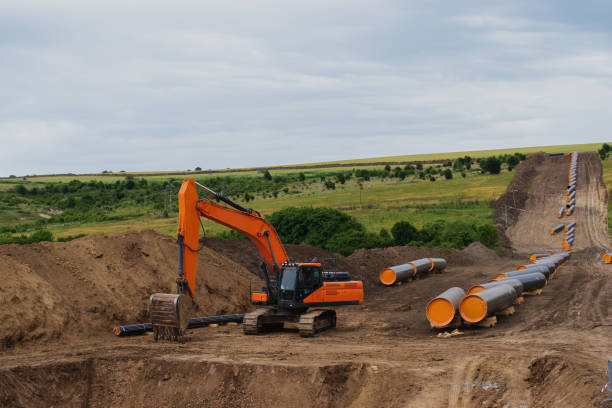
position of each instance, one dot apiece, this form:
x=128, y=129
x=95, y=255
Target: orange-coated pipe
x=442, y=309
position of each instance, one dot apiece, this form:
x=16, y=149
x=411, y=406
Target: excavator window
x=309, y=279
x=288, y=283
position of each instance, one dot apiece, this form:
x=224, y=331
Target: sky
x=87, y=86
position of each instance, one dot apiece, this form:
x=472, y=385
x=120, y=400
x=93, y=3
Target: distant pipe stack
x=399, y=273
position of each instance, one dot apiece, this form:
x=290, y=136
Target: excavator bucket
x=169, y=316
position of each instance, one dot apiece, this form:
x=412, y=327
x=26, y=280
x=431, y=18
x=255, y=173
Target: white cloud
x=154, y=86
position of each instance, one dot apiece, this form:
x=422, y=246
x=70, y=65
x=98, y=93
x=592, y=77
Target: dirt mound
x=243, y=252
x=507, y=206
x=85, y=287
x=477, y=252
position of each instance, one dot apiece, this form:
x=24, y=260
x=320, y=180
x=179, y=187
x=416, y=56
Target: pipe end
x=440, y=312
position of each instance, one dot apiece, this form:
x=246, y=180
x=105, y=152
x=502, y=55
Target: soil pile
x=85, y=287
x=244, y=252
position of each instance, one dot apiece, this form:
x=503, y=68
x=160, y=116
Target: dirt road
x=552, y=352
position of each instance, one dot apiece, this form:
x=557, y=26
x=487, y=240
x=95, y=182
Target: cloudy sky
x=88, y=86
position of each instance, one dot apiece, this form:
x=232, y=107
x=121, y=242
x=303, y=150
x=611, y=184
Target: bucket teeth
x=169, y=316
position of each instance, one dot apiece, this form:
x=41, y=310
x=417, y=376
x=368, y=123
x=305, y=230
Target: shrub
x=403, y=232
x=448, y=174
x=314, y=226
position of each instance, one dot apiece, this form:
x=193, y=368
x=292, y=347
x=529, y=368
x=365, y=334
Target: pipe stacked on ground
x=441, y=310
x=530, y=281
x=556, y=229
x=399, y=273
x=515, y=283
x=607, y=257
x=478, y=306
x=560, y=212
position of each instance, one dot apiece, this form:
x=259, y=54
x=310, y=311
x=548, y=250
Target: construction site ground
x=60, y=301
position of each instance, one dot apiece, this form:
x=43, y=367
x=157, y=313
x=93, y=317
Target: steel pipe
x=560, y=212
x=515, y=283
x=476, y=307
x=607, y=257
x=556, y=229
x=545, y=270
x=398, y=273
x=570, y=210
x=530, y=281
x=568, y=205
x=442, y=309
x=570, y=225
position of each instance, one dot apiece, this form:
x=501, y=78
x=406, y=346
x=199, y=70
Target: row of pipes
x=498, y=294
x=570, y=204
x=411, y=270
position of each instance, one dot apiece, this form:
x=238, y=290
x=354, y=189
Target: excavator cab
x=298, y=281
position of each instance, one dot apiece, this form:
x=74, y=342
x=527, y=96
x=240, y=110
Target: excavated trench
x=186, y=381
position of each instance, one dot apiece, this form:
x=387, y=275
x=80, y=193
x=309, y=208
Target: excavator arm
x=247, y=222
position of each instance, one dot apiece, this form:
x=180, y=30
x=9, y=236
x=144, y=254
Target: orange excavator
x=291, y=289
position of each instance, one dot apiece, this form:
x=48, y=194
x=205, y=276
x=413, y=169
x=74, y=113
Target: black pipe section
x=556, y=154
x=531, y=281
x=195, y=322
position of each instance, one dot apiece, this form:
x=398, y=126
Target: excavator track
x=252, y=322
x=316, y=321
x=169, y=316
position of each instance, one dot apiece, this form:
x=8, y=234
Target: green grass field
x=376, y=203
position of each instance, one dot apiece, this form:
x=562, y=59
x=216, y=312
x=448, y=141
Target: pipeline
x=476, y=307
x=570, y=210
x=535, y=257
x=530, y=281
x=556, y=229
x=442, y=309
x=195, y=322
x=607, y=257
x=570, y=225
x=571, y=196
x=550, y=266
x=571, y=203
x=560, y=212
x=399, y=273
x=543, y=270
x=516, y=284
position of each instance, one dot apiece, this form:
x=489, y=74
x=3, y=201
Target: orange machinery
x=290, y=290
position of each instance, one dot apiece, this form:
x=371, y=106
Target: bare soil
x=60, y=301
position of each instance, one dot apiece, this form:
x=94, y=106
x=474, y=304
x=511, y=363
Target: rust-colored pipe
x=515, y=283
x=442, y=309
x=476, y=307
